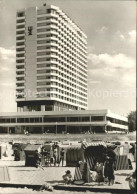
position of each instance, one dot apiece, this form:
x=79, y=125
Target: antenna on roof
x=44, y=4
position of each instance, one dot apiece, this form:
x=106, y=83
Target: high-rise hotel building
x=51, y=61
x=52, y=76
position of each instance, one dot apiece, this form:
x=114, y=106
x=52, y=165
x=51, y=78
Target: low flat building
x=82, y=121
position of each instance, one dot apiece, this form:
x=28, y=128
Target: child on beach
x=67, y=177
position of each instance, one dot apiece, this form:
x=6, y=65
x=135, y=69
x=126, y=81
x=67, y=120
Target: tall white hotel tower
x=51, y=61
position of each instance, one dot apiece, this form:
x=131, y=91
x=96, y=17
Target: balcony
x=20, y=57
x=20, y=73
x=20, y=17
x=19, y=87
x=20, y=81
x=20, y=29
x=20, y=33
x=47, y=15
x=20, y=51
x=20, y=69
x=20, y=23
x=21, y=46
x=22, y=40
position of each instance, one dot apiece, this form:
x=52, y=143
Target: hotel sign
x=30, y=28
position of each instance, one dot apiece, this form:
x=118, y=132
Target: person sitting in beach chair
x=67, y=177
x=99, y=171
x=132, y=181
x=37, y=158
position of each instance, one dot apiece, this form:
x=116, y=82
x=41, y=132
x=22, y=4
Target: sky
x=111, y=30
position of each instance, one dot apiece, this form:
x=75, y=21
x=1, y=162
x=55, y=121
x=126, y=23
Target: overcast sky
x=111, y=30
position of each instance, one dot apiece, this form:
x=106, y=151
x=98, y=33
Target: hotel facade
x=51, y=61
x=51, y=78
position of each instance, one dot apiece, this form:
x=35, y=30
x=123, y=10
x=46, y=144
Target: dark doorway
x=11, y=130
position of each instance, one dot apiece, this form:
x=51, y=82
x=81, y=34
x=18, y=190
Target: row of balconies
x=65, y=87
x=70, y=97
x=71, y=43
x=67, y=60
x=46, y=30
x=64, y=94
x=64, y=80
x=41, y=41
x=46, y=88
x=63, y=99
x=49, y=67
x=22, y=47
x=73, y=87
x=47, y=15
x=79, y=68
x=22, y=56
x=83, y=106
x=71, y=72
x=68, y=93
x=61, y=73
x=61, y=17
x=74, y=26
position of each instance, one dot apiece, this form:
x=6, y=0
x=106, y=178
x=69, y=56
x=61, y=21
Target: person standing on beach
x=55, y=153
x=62, y=153
x=109, y=170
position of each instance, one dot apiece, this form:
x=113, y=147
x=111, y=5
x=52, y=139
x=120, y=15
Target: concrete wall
x=30, y=54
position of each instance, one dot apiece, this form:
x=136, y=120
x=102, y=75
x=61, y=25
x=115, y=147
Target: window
x=20, y=55
x=20, y=78
x=41, y=53
x=48, y=10
x=97, y=118
x=42, y=41
x=41, y=18
x=20, y=49
x=21, y=14
x=20, y=32
x=84, y=119
x=20, y=67
x=20, y=26
x=20, y=120
x=43, y=71
x=41, y=47
x=20, y=44
x=42, y=24
x=20, y=61
x=42, y=65
x=42, y=30
x=20, y=84
x=73, y=119
x=42, y=36
x=20, y=21
x=20, y=38
x=41, y=77
x=43, y=83
x=41, y=59
x=20, y=91
x=41, y=12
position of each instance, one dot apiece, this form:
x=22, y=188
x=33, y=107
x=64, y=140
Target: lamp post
x=56, y=127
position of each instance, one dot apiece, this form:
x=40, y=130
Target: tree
x=132, y=121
